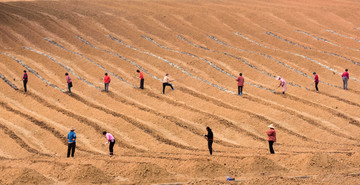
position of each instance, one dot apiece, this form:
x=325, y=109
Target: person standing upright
x=107, y=81
x=110, y=138
x=283, y=83
x=141, y=79
x=71, y=142
x=345, y=77
x=316, y=80
x=166, y=83
x=210, y=138
x=240, y=81
x=271, y=137
x=69, y=82
x=25, y=80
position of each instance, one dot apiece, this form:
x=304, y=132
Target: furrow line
x=260, y=117
x=135, y=123
x=176, y=66
x=41, y=124
x=178, y=122
x=334, y=54
x=128, y=119
x=8, y=82
x=325, y=66
x=88, y=59
x=190, y=108
x=186, y=126
x=341, y=99
x=115, y=54
x=19, y=141
x=334, y=32
x=182, y=38
x=280, y=62
x=65, y=67
x=324, y=40
x=221, y=120
x=309, y=120
x=264, y=119
x=285, y=40
x=300, y=116
x=81, y=119
x=219, y=69
x=34, y=72
x=248, y=39
x=333, y=112
x=208, y=62
x=318, y=38
x=249, y=64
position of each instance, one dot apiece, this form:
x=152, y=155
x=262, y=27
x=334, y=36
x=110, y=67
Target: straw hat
x=278, y=78
x=271, y=126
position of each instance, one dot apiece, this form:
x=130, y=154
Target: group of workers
x=345, y=77
x=72, y=142
x=271, y=138
x=209, y=136
x=166, y=82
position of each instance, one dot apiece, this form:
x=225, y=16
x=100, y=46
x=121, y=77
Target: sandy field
x=203, y=45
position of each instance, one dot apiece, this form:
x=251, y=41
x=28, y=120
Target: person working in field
x=210, y=138
x=69, y=82
x=25, y=80
x=107, y=81
x=345, y=77
x=141, y=79
x=271, y=137
x=316, y=81
x=110, y=139
x=166, y=82
x=71, y=142
x=240, y=81
x=283, y=83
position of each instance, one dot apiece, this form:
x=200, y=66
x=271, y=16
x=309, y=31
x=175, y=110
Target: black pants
x=210, y=142
x=167, y=84
x=69, y=87
x=240, y=88
x=141, y=83
x=271, y=147
x=71, y=146
x=316, y=86
x=25, y=82
x=106, y=87
x=111, y=147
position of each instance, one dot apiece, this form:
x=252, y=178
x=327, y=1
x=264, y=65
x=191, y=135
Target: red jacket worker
x=240, y=81
x=107, y=81
x=271, y=137
x=316, y=80
x=345, y=77
x=141, y=79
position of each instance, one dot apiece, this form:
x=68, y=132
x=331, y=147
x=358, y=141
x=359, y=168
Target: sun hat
x=278, y=78
x=72, y=128
x=271, y=126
